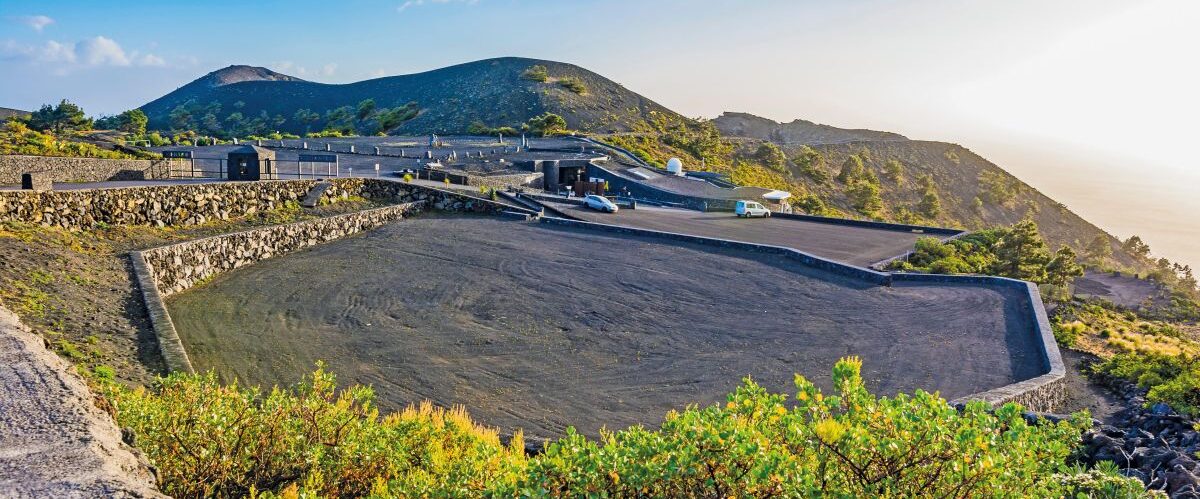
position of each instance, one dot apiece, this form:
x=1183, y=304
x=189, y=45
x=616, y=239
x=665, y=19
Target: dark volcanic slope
x=539, y=327
x=6, y=112
x=491, y=91
x=797, y=132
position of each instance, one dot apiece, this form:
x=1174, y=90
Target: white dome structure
x=675, y=166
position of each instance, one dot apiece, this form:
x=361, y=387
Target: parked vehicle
x=751, y=209
x=600, y=203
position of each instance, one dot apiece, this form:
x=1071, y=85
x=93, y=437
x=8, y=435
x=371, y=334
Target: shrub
x=573, y=84
x=812, y=164
x=536, y=72
x=772, y=156
x=17, y=138
x=1171, y=379
x=546, y=124
x=211, y=440
x=206, y=439
x=894, y=170
x=849, y=445
x=852, y=169
x=864, y=195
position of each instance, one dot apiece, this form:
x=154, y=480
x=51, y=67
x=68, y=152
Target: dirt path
x=539, y=327
x=1122, y=290
x=53, y=441
x=1082, y=393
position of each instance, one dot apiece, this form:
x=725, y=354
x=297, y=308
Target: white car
x=600, y=203
x=751, y=209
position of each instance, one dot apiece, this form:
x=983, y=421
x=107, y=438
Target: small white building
x=777, y=201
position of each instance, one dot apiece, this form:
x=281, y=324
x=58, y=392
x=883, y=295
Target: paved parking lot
x=854, y=245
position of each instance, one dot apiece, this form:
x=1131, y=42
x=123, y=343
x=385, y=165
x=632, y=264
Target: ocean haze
x=1159, y=203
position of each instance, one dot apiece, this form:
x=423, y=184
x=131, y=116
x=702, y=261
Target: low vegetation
x=536, y=72
x=18, y=138
x=1017, y=251
x=365, y=118
x=573, y=84
x=208, y=439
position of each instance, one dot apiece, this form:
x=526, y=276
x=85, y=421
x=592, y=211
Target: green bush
x=1172, y=379
x=210, y=440
x=536, y=72
x=573, y=84
x=17, y=138
x=206, y=439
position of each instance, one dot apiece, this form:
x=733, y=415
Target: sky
x=1094, y=102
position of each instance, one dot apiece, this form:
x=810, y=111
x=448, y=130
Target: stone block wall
x=80, y=169
x=180, y=266
x=503, y=181
x=192, y=204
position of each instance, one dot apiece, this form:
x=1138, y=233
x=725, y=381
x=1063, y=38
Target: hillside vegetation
x=209, y=440
x=503, y=92
x=893, y=179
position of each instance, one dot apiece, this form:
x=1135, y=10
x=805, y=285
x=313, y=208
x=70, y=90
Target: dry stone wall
x=80, y=169
x=180, y=266
x=192, y=204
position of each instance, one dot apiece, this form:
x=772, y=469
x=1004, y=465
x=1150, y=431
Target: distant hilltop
x=6, y=113
x=501, y=92
x=797, y=132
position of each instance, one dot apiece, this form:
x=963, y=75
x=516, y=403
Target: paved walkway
x=54, y=442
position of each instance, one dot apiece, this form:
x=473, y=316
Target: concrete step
x=313, y=198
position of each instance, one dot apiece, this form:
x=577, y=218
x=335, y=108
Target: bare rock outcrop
x=54, y=441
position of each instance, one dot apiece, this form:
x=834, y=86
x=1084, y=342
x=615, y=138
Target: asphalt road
x=542, y=327
x=854, y=245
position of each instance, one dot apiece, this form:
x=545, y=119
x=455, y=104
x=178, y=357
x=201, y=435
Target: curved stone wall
x=1041, y=394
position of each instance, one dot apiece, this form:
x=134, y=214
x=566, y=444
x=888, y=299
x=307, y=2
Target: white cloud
x=151, y=60
x=36, y=23
x=328, y=69
x=99, y=51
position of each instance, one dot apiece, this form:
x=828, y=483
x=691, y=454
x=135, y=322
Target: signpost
x=181, y=154
x=330, y=160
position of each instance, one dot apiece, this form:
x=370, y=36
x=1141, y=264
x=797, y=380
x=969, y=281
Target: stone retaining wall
x=80, y=169
x=180, y=266
x=1042, y=394
x=166, y=270
x=192, y=204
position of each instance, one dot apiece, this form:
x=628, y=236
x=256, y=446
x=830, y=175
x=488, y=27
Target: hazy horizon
x=1089, y=101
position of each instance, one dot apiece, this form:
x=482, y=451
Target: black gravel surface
x=539, y=327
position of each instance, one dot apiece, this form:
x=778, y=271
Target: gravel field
x=539, y=327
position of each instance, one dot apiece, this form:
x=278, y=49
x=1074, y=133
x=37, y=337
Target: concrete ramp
x=313, y=198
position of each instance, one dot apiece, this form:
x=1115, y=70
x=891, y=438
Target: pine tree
x=852, y=169
x=1063, y=268
x=1021, y=253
